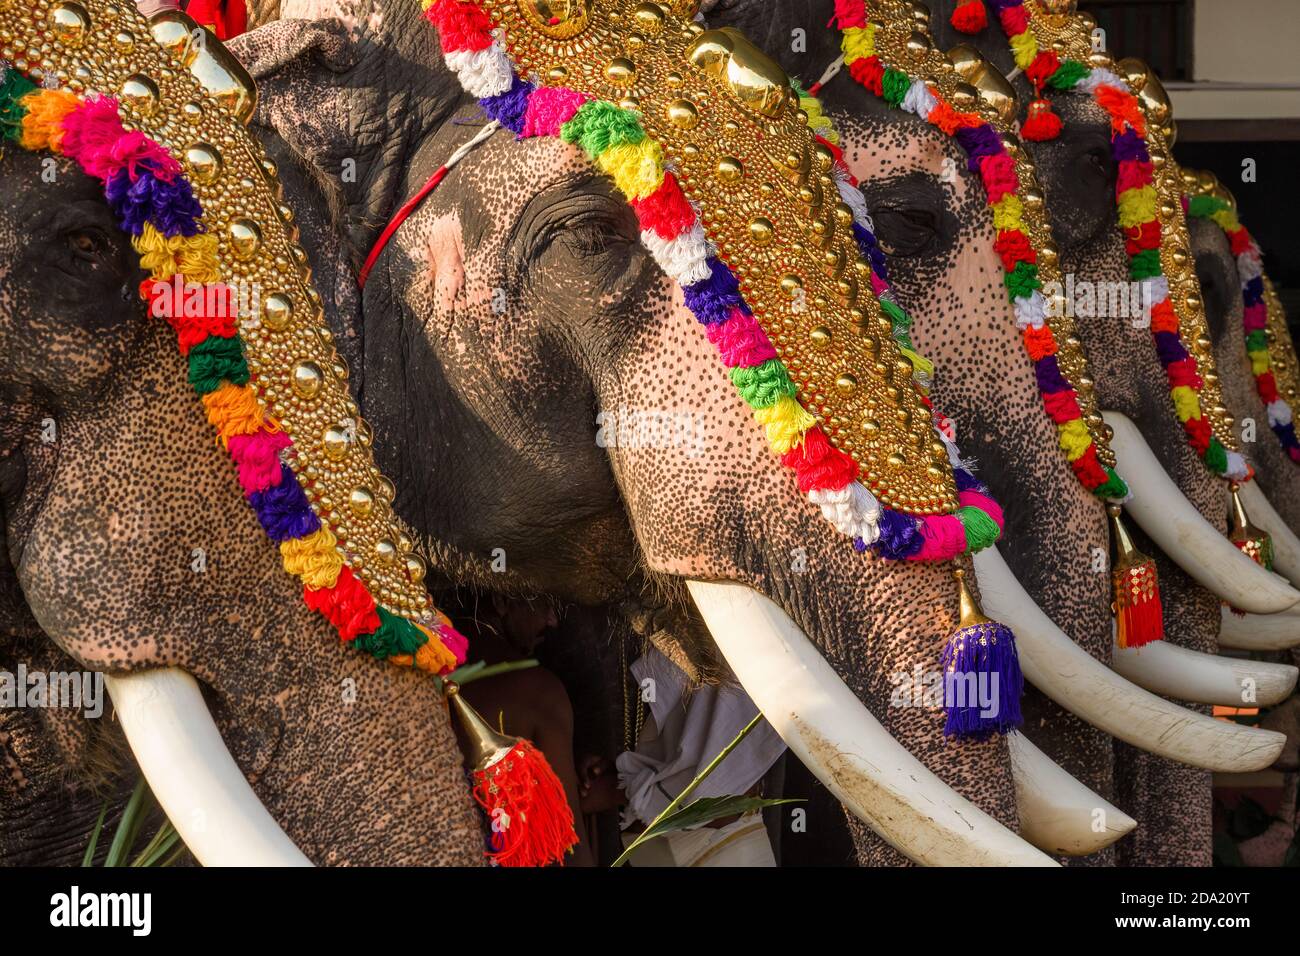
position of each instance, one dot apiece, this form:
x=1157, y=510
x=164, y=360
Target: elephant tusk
x=1173, y=523
x=1058, y=814
x=1286, y=546
x=1089, y=689
x=1259, y=632
x=1172, y=671
x=831, y=731
x=190, y=771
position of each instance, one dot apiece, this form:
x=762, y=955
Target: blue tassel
x=982, y=681
x=981, y=670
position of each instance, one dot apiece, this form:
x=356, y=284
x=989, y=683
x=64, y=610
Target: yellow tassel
x=637, y=169
x=314, y=558
x=1137, y=206
x=1186, y=403
x=194, y=257
x=1074, y=438
x=858, y=43
x=786, y=421
x=1025, y=48
x=1007, y=213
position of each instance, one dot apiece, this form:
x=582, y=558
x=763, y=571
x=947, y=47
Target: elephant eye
x=907, y=230
x=87, y=245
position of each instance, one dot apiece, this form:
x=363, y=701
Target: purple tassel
x=1169, y=348
x=968, y=482
x=900, y=536
x=870, y=249
x=982, y=681
x=1129, y=145
x=979, y=141
x=712, y=299
x=283, y=509
x=170, y=207
x=508, y=108
x=1252, y=293
x=1048, y=373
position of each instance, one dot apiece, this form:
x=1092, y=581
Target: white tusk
x=1259, y=632
x=831, y=731
x=190, y=771
x=1089, y=689
x=1173, y=671
x=1173, y=523
x=1286, y=546
x=1058, y=813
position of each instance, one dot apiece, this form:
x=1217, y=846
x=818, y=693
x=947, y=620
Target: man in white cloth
x=684, y=731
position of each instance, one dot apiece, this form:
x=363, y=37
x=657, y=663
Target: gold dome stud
x=141, y=94
x=307, y=379
x=70, y=23
x=245, y=238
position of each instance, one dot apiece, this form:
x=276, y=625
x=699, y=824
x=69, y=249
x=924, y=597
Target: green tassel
x=761, y=385
x=981, y=530
x=599, y=126
x=215, y=360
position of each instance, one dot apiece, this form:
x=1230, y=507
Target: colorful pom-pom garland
x=1137, y=201
x=1255, y=317
x=155, y=204
x=614, y=138
x=987, y=155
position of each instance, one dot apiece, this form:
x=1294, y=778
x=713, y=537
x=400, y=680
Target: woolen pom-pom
x=970, y=17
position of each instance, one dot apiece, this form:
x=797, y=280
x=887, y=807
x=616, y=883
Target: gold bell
x=486, y=746
x=1257, y=544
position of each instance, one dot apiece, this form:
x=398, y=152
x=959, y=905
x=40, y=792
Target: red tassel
x=970, y=17
x=1139, y=614
x=1041, y=123
x=532, y=823
x=531, y=820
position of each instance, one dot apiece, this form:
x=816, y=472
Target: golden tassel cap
x=1255, y=542
x=487, y=746
x=1126, y=554
x=971, y=612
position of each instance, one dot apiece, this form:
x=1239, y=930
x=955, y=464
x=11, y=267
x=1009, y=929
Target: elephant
x=900, y=163
x=589, y=321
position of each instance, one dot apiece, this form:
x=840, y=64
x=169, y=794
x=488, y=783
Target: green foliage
x=162, y=849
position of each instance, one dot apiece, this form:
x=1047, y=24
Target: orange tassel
x=531, y=820
x=1139, y=615
x=1040, y=123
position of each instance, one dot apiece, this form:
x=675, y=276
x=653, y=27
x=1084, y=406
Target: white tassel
x=684, y=258
x=919, y=100
x=853, y=510
x=1100, y=77
x=1031, y=310
x=1279, y=413
x=854, y=199
x=1249, y=265
x=484, y=72
x=1237, y=468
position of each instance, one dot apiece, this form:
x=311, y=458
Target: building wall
x=1246, y=41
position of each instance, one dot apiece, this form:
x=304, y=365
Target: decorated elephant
x=425, y=336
